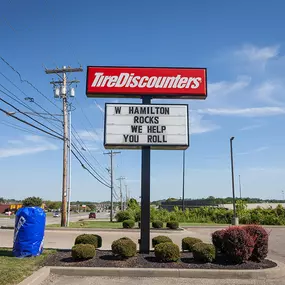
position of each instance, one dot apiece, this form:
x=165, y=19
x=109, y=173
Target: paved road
x=65, y=239
x=74, y=280
x=51, y=220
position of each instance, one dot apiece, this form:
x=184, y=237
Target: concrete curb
x=258, y=274
x=37, y=277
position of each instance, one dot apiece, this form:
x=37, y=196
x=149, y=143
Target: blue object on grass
x=29, y=232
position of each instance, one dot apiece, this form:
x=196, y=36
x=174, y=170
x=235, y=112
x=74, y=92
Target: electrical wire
x=61, y=138
x=28, y=82
x=19, y=111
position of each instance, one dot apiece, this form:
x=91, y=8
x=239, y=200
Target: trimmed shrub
x=217, y=239
x=95, y=240
x=260, y=237
x=189, y=242
x=173, y=225
x=124, y=215
x=160, y=239
x=237, y=244
x=157, y=224
x=83, y=251
x=128, y=224
x=167, y=252
x=124, y=248
x=203, y=252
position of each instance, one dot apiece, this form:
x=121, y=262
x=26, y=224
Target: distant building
x=169, y=205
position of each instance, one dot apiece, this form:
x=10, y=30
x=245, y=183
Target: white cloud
x=259, y=149
x=246, y=112
x=228, y=87
x=250, y=127
x=94, y=136
x=254, y=53
x=198, y=125
x=29, y=145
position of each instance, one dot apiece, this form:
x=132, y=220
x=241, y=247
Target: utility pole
x=111, y=170
x=121, y=192
x=62, y=92
x=239, y=186
x=235, y=218
x=127, y=198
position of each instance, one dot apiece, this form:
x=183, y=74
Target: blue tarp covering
x=29, y=232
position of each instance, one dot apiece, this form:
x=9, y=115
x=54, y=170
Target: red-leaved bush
x=260, y=237
x=217, y=239
x=237, y=245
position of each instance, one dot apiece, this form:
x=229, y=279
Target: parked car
x=56, y=214
x=92, y=215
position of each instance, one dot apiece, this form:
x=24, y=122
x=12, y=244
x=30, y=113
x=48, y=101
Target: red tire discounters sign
x=158, y=82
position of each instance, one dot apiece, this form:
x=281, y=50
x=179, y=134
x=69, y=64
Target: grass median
x=115, y=225
x=91, y=224
x=13, y=270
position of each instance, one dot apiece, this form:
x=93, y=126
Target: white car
x=56, y=214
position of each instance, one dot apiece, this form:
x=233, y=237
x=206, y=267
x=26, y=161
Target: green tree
x=133, y=204
x=32, y=202
x=2, y=200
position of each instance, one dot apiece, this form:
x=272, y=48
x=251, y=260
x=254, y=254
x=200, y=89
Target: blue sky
x=241, y=43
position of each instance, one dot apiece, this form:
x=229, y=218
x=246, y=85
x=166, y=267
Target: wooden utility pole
x=62, y=92
x=111, y=170
x=121, y=192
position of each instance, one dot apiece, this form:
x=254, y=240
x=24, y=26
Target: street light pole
x=235, y=218
x=239, y=187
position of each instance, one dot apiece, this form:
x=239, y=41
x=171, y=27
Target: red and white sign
x=158, y=82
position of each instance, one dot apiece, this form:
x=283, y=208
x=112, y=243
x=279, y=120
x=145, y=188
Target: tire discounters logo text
x=137, y=81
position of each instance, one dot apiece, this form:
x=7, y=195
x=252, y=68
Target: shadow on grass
x=7, y=253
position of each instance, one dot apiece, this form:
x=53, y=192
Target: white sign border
x=140, y=146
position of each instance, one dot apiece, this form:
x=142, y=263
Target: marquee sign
x=157, y=82
x=158, y=126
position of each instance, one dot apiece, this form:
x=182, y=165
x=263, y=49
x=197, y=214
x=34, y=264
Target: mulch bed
x=105, y=258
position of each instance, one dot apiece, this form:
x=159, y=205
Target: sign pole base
x=145, y=194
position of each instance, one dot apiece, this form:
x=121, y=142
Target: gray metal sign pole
x=145, y=194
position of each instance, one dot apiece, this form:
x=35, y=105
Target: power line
x=31, y=125
x=55, y=136
x=19, y=111
x=85, y=147
x=28, y=82
x=17, y=127
x=15, y=98
x=92, y=127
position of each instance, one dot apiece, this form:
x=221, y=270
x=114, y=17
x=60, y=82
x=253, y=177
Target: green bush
x=160, y=239
x=94, y=240
x=189, y=242
x=203, y=252
x=173, y=225
x=128, y=224
x=83, y=251
x=124, y=248
x=167, y=252
x=32, y=202
x=124, y=215
x=157, y=224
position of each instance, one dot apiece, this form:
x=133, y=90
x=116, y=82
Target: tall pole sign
x=146, y=126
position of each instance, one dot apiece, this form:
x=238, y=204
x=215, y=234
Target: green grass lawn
x=13, y=270
x=92, y=224
x=5, y=216
x=200, y=224
x=114, y=225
